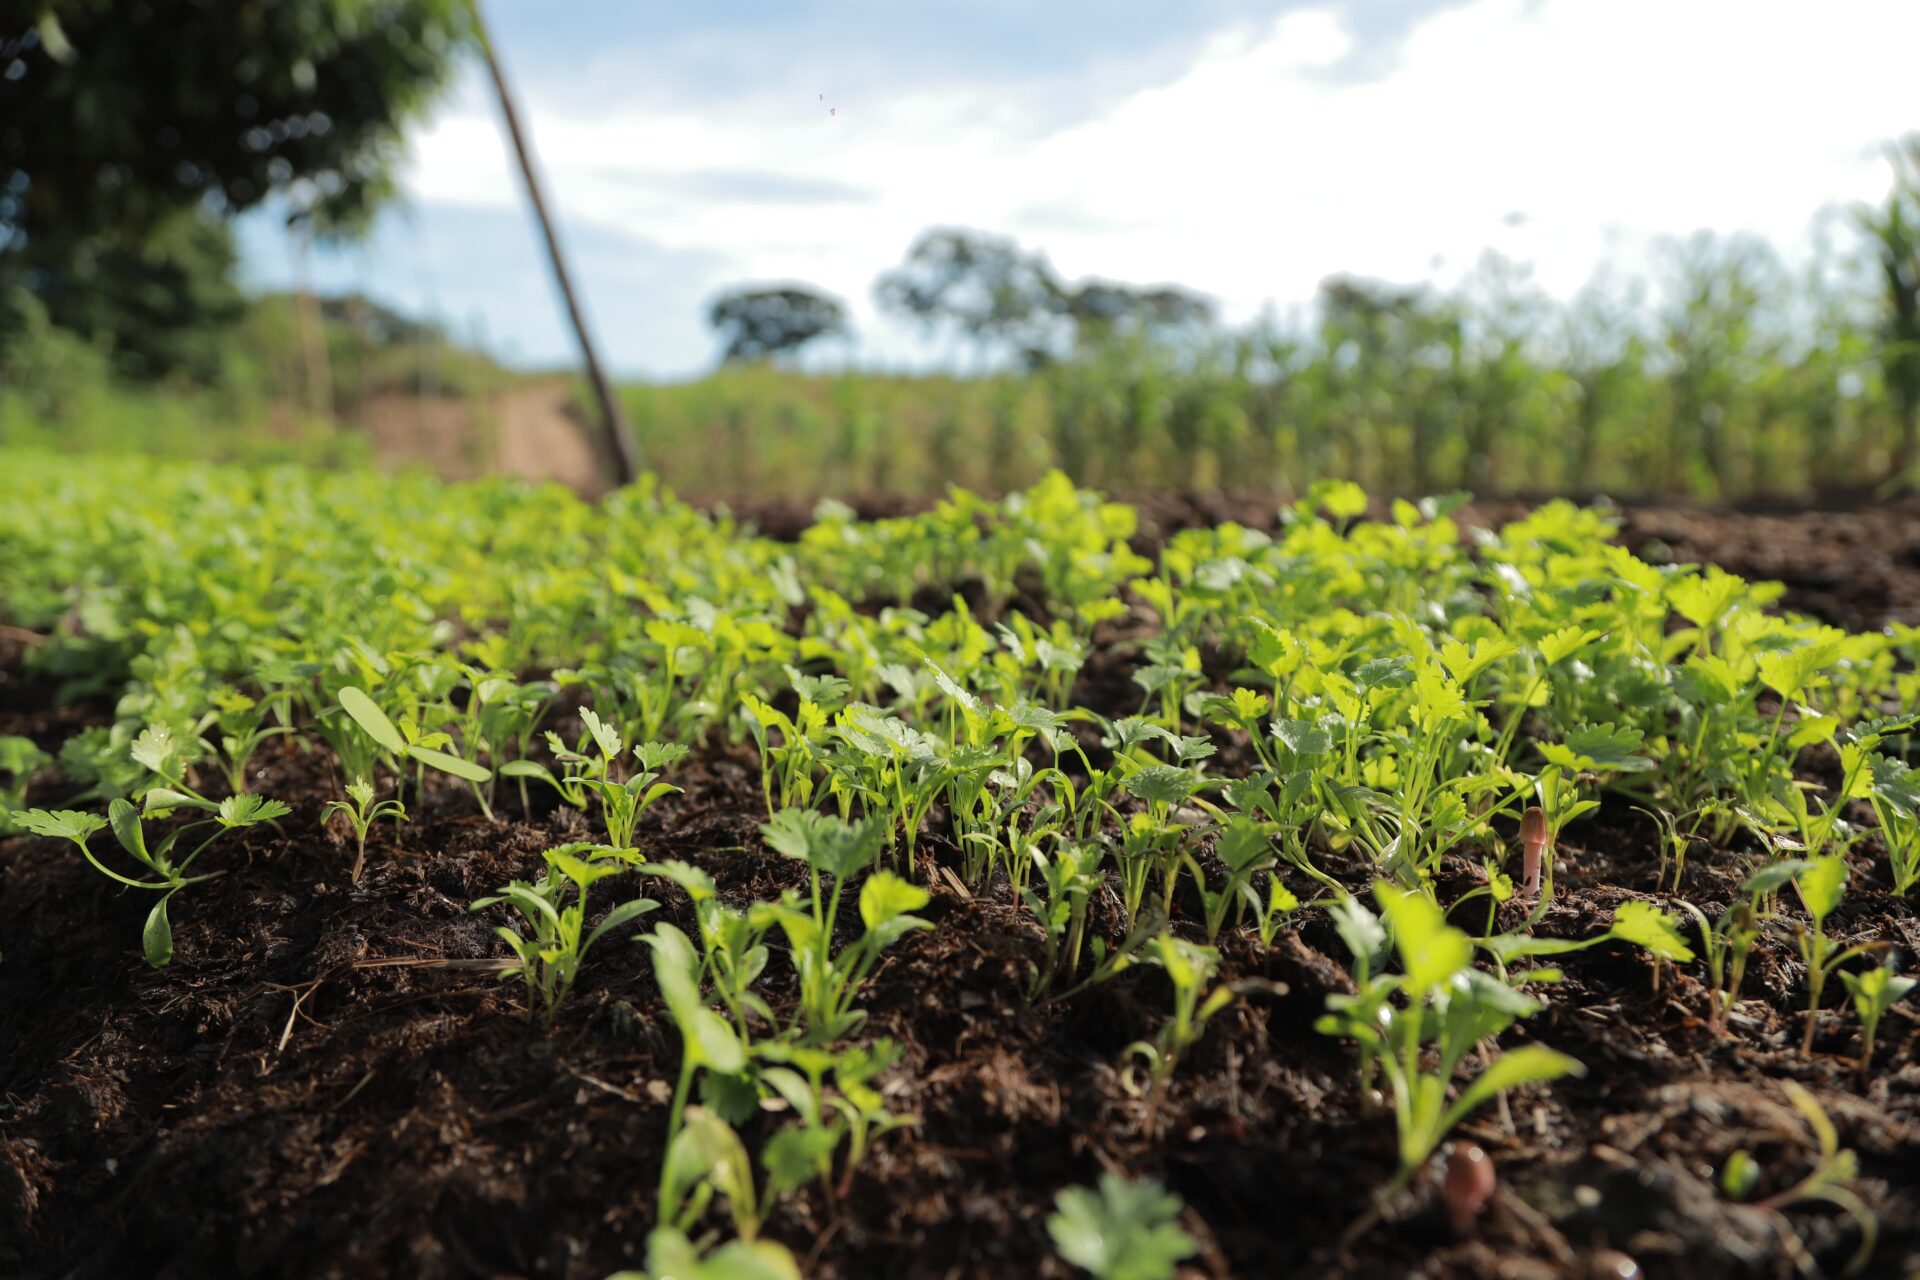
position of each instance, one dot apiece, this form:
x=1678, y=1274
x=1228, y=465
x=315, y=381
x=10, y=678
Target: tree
x=114, y=116
x=164, y=307
x=984, y=287
x=1895, y=232
x=1101, y=308
x=128, y=130
x=761, y=321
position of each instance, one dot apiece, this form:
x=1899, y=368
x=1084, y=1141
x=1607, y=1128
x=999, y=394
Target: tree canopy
x=760, y=321
x=130, y=129
x=998, y=295
x=116, y=113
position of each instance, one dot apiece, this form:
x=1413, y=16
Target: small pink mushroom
x=1533, y=843
x=1469, y=1185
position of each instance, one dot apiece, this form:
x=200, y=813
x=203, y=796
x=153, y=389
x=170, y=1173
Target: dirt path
x=541, y=440
x=527, y=431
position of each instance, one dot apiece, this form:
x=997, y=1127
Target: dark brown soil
x=328, y=1081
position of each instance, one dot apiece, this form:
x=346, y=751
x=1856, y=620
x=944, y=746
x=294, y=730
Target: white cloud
x=1262, y=169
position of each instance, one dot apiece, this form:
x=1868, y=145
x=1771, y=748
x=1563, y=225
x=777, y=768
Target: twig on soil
x=429, y=962
x=305, y=990
x=626, y=1095
x=354, y=1092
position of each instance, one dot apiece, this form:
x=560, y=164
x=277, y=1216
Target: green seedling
x=422, y=750
x=1822, y=882
x=834, y=851
x=852, y=1111
x=707, y=1041
x=730, y=940
x=549, y=954
x=794, y=757
x=1246, y=849
x=894, y=769
x=156, y=939
x=1068, y=877
x=1278, y=908
x=1189, y=968
x=672, y=1256
x=1540, y=828
x=1439, y=998
x=240, y=723
x=705, y=1158
x=1152, y=841
x=1729, y=941
x=361, y=812
x=1639, y=923
x=621, y=802
x=1895, y=795
x=1123, y=1231
x=1829, y=1182
x=20, y=759
x=1874, y=992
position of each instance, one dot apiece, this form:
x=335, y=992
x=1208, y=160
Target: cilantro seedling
x=621, y=801
x=1438, y=997
x=1729, y=941
x=1895, y=796
x=852, y=1111
x=241, y=725
x=1874, y=992
x=361, y=812
x=20, y=759
x=1834, y=1171
x=408, y=743
x=707, y=1041
x=1123, y=1231
x=730, y=940
x=1821, y=882
x=672, y=1256
x=833, y=851
x=1068, y=876
x=705, y=1158
x=234, y=813
x=1190, y=968
x=549, y=954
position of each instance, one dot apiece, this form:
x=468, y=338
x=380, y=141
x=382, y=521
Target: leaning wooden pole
x=613, y=423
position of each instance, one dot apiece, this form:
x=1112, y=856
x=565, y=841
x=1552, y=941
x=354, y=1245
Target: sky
x=1245, y=150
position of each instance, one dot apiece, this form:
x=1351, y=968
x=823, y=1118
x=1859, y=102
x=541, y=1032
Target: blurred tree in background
x=762, y=321
x=1895, y=230
x=984, y=288
x=130, y=128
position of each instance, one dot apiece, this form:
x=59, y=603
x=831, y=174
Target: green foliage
x=548, y=954
x=1123, y=1231
x=1874, y=992
x=1190, y=968
x=835, y=850
x=622, y=801
x=707, y=1042
x=258, y=94
x=672, y=1256
x=1344, y=699
x=1437, y=999
x=20, y=759
x=159, y=860
x=1821, y=882
x=361, y=812
x=761, y=322
x=1831, y=1180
